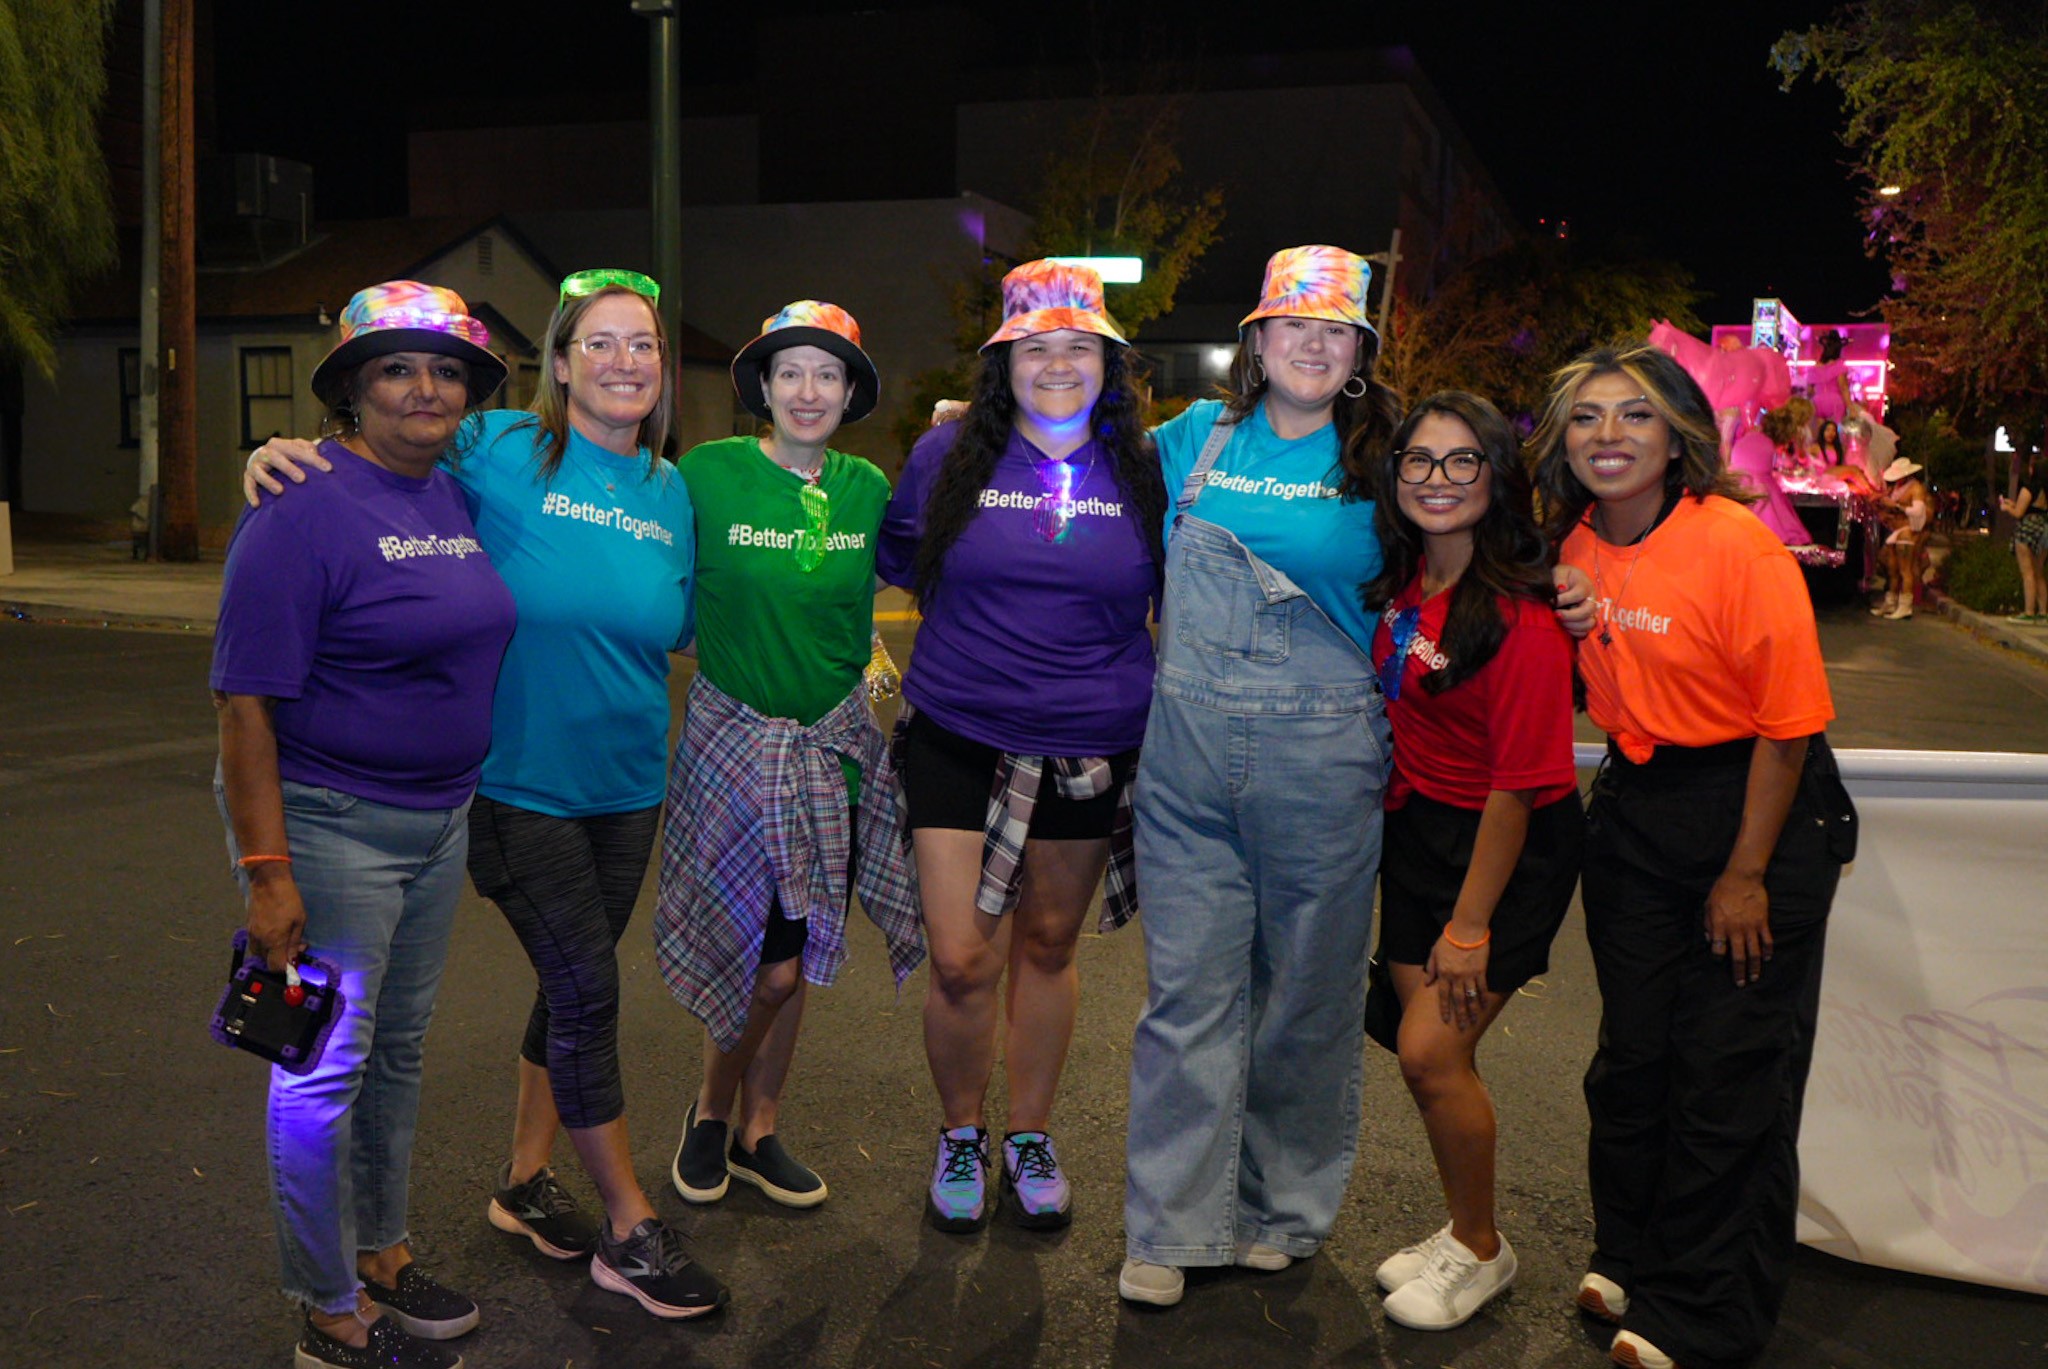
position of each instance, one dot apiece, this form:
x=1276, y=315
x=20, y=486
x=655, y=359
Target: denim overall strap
x=1191, y=488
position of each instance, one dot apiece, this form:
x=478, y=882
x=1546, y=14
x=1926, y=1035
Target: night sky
x=1657, y=124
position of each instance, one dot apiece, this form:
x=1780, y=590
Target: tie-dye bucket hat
x=1041, y=296
x=807, y=323
x=1315, y=282
x=408, y=316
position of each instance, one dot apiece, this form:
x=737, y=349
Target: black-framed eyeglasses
x=1460, y=465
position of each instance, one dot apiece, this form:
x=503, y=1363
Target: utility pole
x=665, y=142
x=177, y=407
x=152, y=248
x=1391, y=258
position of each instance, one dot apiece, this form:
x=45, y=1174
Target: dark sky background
x=1659, y=123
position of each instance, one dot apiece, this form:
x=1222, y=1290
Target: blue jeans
x=1258, y=837
x=380, y=885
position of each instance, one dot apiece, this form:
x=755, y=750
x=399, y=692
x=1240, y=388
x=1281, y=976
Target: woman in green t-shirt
x=781, y=794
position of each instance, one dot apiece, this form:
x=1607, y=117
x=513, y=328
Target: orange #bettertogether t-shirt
x=1704, y=634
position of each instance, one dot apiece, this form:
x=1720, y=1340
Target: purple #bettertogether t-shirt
x=1029, y=646
x=363, y=604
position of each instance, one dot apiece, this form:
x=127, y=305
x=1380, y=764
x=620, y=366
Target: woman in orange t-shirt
x=1713, y=845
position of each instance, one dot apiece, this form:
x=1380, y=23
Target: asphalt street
x=135, y=1227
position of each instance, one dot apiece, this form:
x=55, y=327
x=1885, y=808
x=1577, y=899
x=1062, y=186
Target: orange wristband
x=246, y=861
x=1467, y=946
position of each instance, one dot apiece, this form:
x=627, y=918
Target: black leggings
x=567, y=887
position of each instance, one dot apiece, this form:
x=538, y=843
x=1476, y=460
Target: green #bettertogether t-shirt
x=786, y=642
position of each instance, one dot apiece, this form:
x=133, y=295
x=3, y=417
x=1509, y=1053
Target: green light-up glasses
x=590, y=282
x=810, y=543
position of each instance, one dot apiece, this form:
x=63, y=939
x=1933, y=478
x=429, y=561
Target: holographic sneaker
x=1032, y=1172
x=960, y=1200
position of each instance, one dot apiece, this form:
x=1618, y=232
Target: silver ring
x=1471, y=993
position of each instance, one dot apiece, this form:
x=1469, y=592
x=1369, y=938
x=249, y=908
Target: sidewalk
x=2028, y=639
x=97, y=584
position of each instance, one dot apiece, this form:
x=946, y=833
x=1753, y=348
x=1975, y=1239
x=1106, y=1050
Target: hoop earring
x=1363, y=386
x=340, y=423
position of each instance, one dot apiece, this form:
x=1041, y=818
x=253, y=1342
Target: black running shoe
x=652, y=1268
x=698, y=1171
x=775, y=1172
x=388, y=1348
x=422, y=1307
x=542, y=1211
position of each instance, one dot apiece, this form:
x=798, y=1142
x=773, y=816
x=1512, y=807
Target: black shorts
x=947, y=778
x=784, y=937
x=1428, y=846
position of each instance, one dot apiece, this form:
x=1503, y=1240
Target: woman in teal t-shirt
x=781, y=796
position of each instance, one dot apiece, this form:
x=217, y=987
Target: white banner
x=1925, y=1140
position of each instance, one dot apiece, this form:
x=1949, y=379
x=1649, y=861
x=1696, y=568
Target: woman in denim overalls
x=1258, y=802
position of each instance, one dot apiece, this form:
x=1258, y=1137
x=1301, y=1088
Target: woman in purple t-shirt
x=1030, y=531
x=361, y=627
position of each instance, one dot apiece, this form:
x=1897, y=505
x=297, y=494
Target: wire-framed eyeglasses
x=606, y=349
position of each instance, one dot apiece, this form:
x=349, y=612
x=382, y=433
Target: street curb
x=70, y=615
x=1991, y=629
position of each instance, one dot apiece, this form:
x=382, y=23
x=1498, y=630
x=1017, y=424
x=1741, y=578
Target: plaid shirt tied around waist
x=756, y=813
x=1013, y=796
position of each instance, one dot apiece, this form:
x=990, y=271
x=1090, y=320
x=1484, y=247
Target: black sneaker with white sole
x=652, y=1267
x=775, y=1172
x=698, y=1171
x=388, y=1348
x=542, y=1211
x=422, y=1307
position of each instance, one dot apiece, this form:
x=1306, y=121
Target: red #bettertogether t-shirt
x=1509, y=726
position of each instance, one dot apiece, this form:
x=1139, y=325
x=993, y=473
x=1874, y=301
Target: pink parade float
x=1800, y=409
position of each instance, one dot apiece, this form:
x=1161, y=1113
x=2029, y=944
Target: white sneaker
x=1602, y=1297
x=1257, y=1255
x=1405, y=1263
x=1884, y=607
x=1452, y=1286
x=1902, y=611
x=1635, y=1352
x=1158, y=1284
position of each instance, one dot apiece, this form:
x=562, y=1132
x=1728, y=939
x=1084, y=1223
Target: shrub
x=1982, y=574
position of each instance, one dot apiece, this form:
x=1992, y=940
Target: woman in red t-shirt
x=1483, y=826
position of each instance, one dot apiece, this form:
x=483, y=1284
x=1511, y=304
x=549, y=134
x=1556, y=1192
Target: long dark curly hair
x=1117, y=423
x=1509, y=554
x=1364, y=423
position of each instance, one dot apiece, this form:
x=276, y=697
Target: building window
x=266, y=394
x=131, y=396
